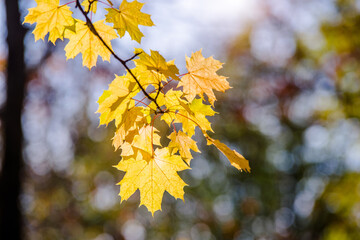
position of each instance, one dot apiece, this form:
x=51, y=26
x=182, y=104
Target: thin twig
x=123, y=62
x=135, y=55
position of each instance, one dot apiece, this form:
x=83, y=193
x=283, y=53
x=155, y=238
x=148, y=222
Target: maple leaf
x=84, y=41
x=182, y=142
x=235, y=158
x=86, y=5
x=50, y=18
x=128, y=18
x=145, y=140
x=127, y=149
x=115, y=101
x=152, y=176
x=171, y=101
x=194, y=115
x=153, y=69
x=202, y=77
x=156, y=62
x=136, y=117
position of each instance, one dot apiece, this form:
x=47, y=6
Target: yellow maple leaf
x=235, y=158
x=86, y=4
x=194, y=115
x=126, y=149
x=115, y=101
x=50, y=18
x=152, y=176
x=120, y=136
x=130, y=125
x=170, y=100
x=128, y=18
x=202, y=77
x=138, y=139
x=145, y=139
x=84, y=41
x=153, y=69
x=182, y=142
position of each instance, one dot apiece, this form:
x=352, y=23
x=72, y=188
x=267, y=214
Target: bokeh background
x=293, y=111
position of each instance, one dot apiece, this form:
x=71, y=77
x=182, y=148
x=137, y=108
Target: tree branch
x=123, y=62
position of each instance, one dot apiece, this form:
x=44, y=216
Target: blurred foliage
x=337, y=210
x=293, y=112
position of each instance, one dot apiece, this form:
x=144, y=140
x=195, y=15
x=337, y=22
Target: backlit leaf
x=50, y=18
x=115, y=101
x=128, y=18
x=194, y=115
x=235, y=158
x=202, y=77
x=152, y=176
x=183, y=143
x=84, y=41
x=153, y=69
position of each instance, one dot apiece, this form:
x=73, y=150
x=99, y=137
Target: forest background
x=293, y=112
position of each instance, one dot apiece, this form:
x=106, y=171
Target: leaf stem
x=168, y=82
x=174, y=126
x=141, y=101
x=183, y=74
x=106, y=4
x=67, y=3
x=189, y=119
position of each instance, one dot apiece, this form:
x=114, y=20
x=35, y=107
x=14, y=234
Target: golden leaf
x=202, y=77
x=115, y=101
x=128, y=18
x=171, y=101
x=147, y=137
x=193, y=115
x=84, y=41
x=152, y=176
x=182, y=142
x=129, y=126
x=153, y=69
x=235, y=158
x=50, y=18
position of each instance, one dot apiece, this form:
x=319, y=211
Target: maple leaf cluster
x=55, y=19
x=150, y=167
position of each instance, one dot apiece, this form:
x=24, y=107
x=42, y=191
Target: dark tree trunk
x=11, y=177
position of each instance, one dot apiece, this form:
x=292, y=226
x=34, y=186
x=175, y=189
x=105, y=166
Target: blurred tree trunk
x=10, y=180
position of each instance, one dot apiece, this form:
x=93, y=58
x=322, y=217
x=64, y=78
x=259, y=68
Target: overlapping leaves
x=138, y=138
x=56, y=19
x=150, y=167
